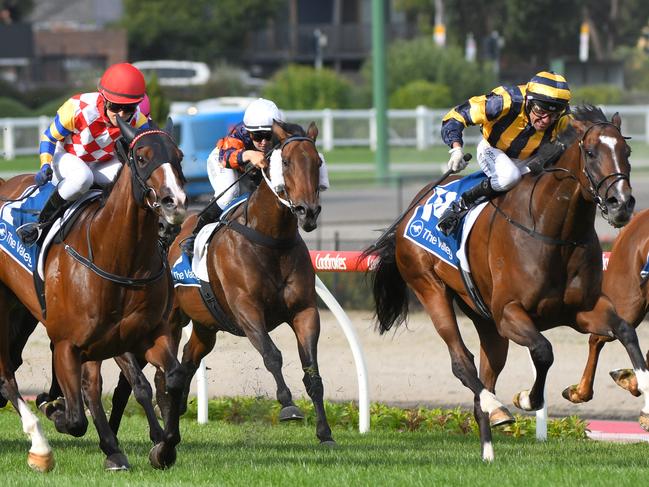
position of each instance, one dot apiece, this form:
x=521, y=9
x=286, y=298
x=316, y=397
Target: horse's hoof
x=500, y=417
x=40, y=463
x=161, y=456
x=290, y=413
x=42, y=398
x=522, y=401
x=329, y=443
x=626, y=379
x=570, y=393
x=50, y=407
x=116, y=462
x=644, y=421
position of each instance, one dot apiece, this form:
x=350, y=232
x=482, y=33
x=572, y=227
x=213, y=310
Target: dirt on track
x=409, y=367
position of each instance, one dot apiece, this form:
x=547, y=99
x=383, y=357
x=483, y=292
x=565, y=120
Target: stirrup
x=451, y=218
x=187, y=245
x=29, y=233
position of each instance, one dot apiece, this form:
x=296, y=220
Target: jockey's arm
x=59, y=129
x=231, y=150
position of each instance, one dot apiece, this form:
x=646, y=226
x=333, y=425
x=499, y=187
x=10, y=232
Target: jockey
x=78, y=148
x=247, y=142
x=515, y=121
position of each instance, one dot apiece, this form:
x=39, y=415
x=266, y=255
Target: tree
x=200, y=30
x=158, y=101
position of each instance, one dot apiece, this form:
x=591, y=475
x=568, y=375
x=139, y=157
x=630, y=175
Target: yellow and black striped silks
x=504, y=122
x=549, y=87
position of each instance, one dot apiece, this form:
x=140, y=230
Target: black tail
x=389, y=288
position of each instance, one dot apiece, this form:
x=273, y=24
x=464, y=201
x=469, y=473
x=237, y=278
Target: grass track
x=260, y=455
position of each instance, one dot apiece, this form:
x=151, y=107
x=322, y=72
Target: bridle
x=145, y=195
x=287, y=200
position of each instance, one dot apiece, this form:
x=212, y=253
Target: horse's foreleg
x=200, y=343
x=583, y=392
x=132, y=377
x=91, y=385
x=603, y=320
x=433, y=296
x=517, y=325
x=67, y=366
x=161, y=356
x=306, y=325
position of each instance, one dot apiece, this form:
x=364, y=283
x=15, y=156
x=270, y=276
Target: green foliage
x=352, y=290
x=421, y=92
x=201, y=30
x=50, y=107
x=303, y=87
x=158, y=101
x=597, y=95
x=421, y=59
x=10, y=107
x=636, y=69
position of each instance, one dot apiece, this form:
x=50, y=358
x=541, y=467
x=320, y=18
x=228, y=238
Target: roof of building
x=78, y=14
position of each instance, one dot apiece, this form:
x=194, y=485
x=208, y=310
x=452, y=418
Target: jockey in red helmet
x=78, y=148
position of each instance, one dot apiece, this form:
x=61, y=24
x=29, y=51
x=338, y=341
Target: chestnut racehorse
x=629, y=293
x=260, y=271
x=536, y=261
x=108, y=291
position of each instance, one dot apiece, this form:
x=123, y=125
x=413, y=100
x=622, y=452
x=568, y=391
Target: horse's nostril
x=168, y=202
x=300, y=210
x=612, y=202
x=630, y=204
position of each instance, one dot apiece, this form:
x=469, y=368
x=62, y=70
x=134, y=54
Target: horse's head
x=605, y=164
x=300, y=167
x=156, y=175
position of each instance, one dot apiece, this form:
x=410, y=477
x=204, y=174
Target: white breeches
x=220, y=178
x=504, y=173
x=74, y=177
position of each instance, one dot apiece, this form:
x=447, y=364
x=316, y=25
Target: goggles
x=116, y=107
x=263, y=135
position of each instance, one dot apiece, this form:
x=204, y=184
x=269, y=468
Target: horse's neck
x=560, y=204
x=268, y=215
x=124, y=223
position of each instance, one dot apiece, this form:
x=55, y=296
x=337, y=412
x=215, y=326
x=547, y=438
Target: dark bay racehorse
x=108, y=291
x=536, y=261
x=260, y=272
x=629, y=293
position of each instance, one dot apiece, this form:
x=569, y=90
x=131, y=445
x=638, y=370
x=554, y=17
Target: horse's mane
x=290, y=128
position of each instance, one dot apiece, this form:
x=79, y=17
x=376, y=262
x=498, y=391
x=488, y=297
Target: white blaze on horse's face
x=174, y=204
x=610, y=142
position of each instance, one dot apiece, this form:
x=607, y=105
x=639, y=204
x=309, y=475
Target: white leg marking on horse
x=643, y=386
x=488, y=402
x=488, y=452
x=171, y=182
x=524, y=400
x=32, y=427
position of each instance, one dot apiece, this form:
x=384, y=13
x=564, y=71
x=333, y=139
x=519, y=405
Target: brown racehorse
x=629, y=293
x=108, y=291
x=536, y=261
x=260, y=272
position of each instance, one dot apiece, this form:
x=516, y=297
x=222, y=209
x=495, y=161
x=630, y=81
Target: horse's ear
x=169, y=126
x=127, y=131
x=617, y=120
x=579, y=126
x=312, y=131
x=279, y=132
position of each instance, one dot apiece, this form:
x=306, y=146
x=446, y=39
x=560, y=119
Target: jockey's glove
x=43, y=176
x=456, y=162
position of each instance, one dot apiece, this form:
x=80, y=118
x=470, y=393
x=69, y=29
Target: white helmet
x=260, y=114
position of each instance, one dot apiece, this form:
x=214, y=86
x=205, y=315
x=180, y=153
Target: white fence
x=418, y=128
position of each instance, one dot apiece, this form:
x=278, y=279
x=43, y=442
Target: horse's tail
x=389, y=288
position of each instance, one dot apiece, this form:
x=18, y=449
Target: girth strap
x=212, y=304
x=261, y=239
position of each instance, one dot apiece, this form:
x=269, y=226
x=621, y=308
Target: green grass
x=288, y=454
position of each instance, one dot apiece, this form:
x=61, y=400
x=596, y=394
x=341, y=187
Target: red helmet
x=123, y=84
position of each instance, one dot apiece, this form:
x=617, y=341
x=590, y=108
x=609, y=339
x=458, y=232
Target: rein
x=593, y=190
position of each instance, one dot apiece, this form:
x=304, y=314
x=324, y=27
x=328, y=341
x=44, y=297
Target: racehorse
x=108, y=291
x=628, y=291
x=536, y=261
x=260, y=272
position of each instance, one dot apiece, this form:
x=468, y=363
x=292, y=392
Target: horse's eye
x=140, y=160
x=590, y=153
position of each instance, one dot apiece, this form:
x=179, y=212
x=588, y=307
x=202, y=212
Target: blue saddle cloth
x=644, y=273
x=15, y=214
x=422, y=226
x=181, y=271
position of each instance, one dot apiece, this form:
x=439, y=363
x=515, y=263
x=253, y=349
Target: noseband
x=141, y=190
x=596, y=185
x=286, y=201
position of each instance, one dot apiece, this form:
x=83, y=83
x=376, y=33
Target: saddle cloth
x=189, y=272
x=16, y=213
x=422, y=226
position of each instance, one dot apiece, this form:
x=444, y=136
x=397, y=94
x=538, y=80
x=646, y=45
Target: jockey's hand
x=43, y=176
x=456, y=162
x=256, y=158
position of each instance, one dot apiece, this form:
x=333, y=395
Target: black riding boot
x=209, y=215
x=29, y=233
x=472, y=197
